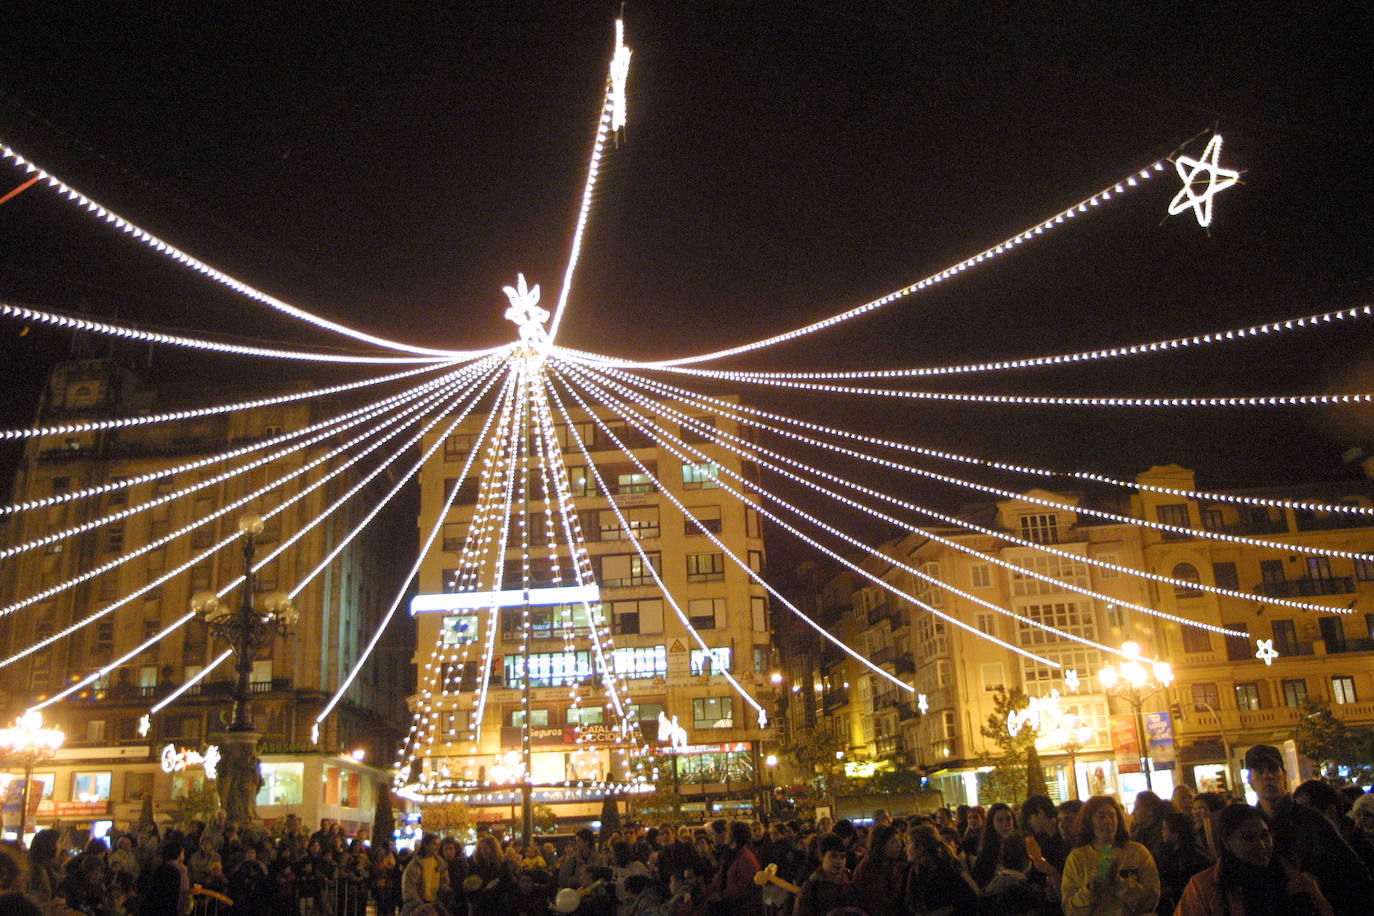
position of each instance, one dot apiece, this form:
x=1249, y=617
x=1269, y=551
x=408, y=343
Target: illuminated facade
x=1223, y=696
x=661, y=669
x=106, y=767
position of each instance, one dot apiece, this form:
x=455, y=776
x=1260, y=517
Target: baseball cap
x=1263, y=756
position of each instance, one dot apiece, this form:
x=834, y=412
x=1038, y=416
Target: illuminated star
x=1215, y=179
x=1071, y=681
x=1266, y=652
x=145, y=724
x=922, y=704
x=525, y=311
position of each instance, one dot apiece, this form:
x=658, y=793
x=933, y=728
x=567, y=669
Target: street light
x=247, y=630
x=1135, y=682
x=1072, y=737
x=28, y=741
x=770, y=763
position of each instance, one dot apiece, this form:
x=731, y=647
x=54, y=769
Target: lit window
x=1343, y=689
x=710, y=662
x=700, y=476
x=91, y=786
x=713, y=712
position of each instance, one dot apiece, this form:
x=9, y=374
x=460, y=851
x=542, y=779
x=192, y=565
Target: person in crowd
x=686, y=894
x=1206, y=807
x=1040, y=821
x=1249, y=879
x=199, y=864
x=828, y=888
x=168, y=892
x=1068, y=822
x=579, y=855
x=1010, y=890
x=1147, y=821
x=935, y=884
x=877, y=879
x=492, y=877
x=1108, y=874
x=385, y=879
x=424, y=878
x=1001, y=823
x=733, y=887
x=1182, y=799
x=531, y=894
x=249, y=880
x=44, y=875
x=1178, y=860
x=1323, y=798
x=1362, y=815
x=1305, y=839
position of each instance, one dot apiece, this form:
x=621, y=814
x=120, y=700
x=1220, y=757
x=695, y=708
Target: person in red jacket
x=734, y=890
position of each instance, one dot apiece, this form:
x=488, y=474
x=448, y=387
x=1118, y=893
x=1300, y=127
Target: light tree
x=1321, y=737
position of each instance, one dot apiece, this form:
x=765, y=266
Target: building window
x=1189, y=578
x=993, y=675
x=700, y=476
x=1364, y=569
x=1238, y=646
x=137, y=786
x=626, y=570
x=90, y=787
x=95, y=731
x=457, y=446
x=1294, y=692
x=713, y=712
x=1285, y=637
x=1224, y=574
x=705, y=567
x=949, y=721
x=980, y=575
x=710, y=661
x=644, y=615
x=1343, y=689
x=549, y=669
x=645, y=662
x=707, y=518
x=987, y=623
x=1175, y=514
x=586, y=715
x=1116, y=617
x=705, y=613
x=1205, y=695
x=1042, y=528
x=114, y=539
x=1196, y=639
x=538, y=717
x=458, y=629
x=1271, y=572
x=1247, y=696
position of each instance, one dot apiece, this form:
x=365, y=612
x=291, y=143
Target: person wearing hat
x=1305, y=838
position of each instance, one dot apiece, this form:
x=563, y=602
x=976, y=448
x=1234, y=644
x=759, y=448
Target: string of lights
x=127, y=332
x=1305, y=322
x=725, y=408
x=64, y=429
x=151, y=241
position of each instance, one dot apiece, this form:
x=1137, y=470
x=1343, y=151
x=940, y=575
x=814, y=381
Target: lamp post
x=770, y=763
x=1135, y=682
x=29, y=742
x=1072, y=737
x=247, y=630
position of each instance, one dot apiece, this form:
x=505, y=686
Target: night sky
x=394, y=165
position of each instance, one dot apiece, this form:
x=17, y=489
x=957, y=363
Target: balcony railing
x=883, y=656
x=1307, y=588
x=834, y=700
x=904, y=664
x=885, y=611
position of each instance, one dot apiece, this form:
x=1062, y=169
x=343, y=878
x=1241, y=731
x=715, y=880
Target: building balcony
x=885, y=611
x=883, y=656
x=1307, y=588
x=834, y=700
x=906, y=712
x=904, y=664
x=886, y=700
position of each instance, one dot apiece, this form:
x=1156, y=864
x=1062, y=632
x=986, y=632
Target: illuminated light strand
x=1082, y=356
x=854, y=542
x=987, y=254
x=198, y=485
x=1237, y=499
x=125, y=422
x=728, y=409
x=127, y=332
x=225, y=589
x=686, y=621
x=196, y=464
x=752, y=452
x=208, y=552
x=608, y=111
x=404, y=590
x=212, y=273
x=1288, y=400
x=662, y=437
x=425, y=714
x=191, y=526
x=199, y=676
x=601, y=637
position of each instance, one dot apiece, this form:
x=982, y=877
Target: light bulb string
x=130, y=332
x=151, y=241
x=1166, y=345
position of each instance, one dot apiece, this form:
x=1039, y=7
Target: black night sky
x=394, y=165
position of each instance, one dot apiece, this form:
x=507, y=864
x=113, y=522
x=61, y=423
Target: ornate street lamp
x=247, y=630
x=1135, y=682
x=1072, y=737
x=29, y=742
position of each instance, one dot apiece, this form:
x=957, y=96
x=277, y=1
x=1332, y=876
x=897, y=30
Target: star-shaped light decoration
x=315, y=733
x=1207, y=173
x=525, y=312
x=1266, y=651
x=922, y=704
x=1071, y=681
x=620, y=72
x=145, y=725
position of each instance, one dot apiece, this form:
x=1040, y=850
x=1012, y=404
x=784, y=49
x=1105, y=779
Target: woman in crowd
x=1108, y=874
x=734, y=886
x=1001, y=823
x=1178, y=860
x=935, y=884
x=1248, y=879
x=973, y=828
x=878, y=876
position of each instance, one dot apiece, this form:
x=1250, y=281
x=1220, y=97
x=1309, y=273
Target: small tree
x=544, y=819
x=383, y=818
x=1017, y=772
x=199, y=804
x=453, y=818
x=1321, y=737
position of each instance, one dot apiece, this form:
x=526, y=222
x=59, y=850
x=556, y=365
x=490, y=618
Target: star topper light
x=1071, y=681
x=525, y=312
x=1207, y=173
x=1266, y=652
x=923, y=704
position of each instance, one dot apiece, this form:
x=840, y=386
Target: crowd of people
x=1309, y=852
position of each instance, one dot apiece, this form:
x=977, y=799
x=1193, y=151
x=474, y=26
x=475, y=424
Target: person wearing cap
x=1306, y=839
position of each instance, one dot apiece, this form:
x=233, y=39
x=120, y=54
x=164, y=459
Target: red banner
x=1125, y=743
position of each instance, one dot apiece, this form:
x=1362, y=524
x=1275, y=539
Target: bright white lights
x=1266, y=651
x=1214, y=179
x=620, y=72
